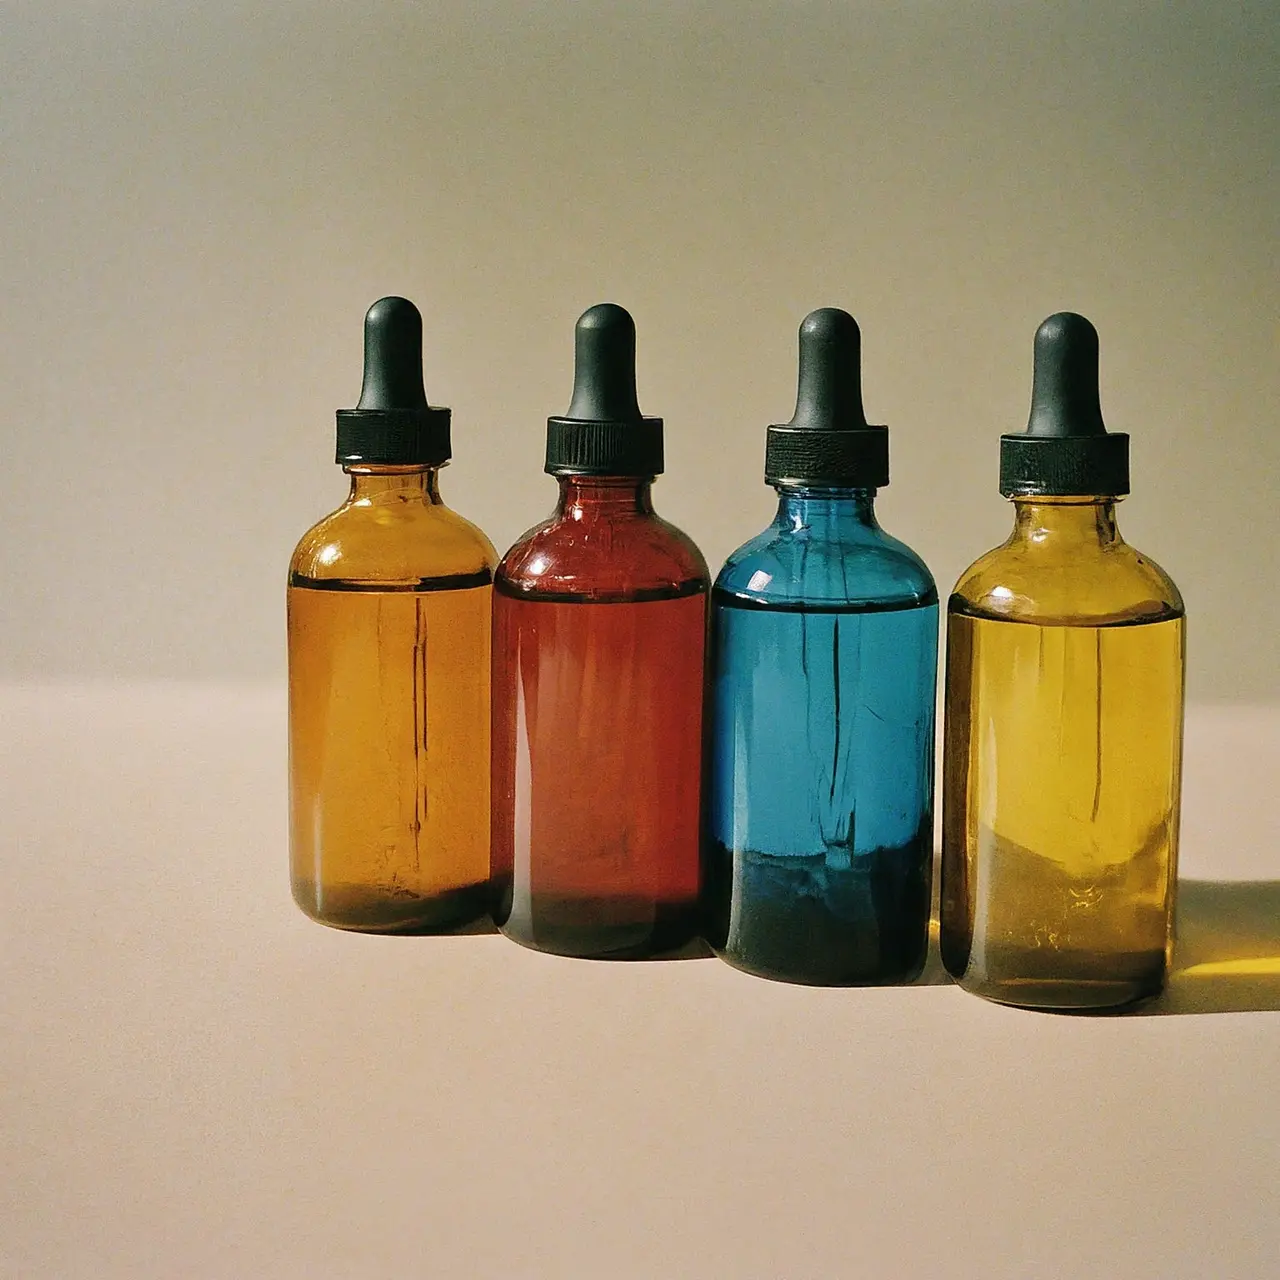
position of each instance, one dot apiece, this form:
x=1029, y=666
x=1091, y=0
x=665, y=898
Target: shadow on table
x=695, y=949
x=1226, y=956
x=934, y=975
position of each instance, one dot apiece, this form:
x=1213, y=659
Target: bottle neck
x=820, y=509
x=395, y=484
x=1066, y=523
x=615, y=497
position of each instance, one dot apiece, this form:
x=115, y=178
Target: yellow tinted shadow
x=1226, y=956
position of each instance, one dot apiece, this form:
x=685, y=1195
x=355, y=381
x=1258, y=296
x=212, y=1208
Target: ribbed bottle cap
x=603, y=432
x=828, y=440
x=393, y=425
x=1066, y=449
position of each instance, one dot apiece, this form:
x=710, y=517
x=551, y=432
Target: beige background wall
x=199, y=201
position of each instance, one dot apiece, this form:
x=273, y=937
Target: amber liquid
x=597, y=762
x=389, y=755
x=1060, y=829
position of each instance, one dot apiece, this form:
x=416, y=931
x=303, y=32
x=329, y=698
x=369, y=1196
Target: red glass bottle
x=599, y=634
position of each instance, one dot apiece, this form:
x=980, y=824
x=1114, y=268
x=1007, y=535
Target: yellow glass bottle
x=1063, y=738
x=389, y=618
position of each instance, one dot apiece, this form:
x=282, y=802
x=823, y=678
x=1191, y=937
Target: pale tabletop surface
x=195, y=1081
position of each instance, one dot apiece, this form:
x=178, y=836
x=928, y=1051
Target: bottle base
x=799, y=919
x=361, y=909
x=603, y=928
x=1100, y=985
x=819, y=978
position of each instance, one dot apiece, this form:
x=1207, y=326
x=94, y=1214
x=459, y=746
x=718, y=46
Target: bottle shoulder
x=1104, y=585
x=602, y=555
x=393, y=542
x=865, y=566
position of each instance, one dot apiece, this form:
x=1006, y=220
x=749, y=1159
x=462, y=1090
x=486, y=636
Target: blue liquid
x=820, y=763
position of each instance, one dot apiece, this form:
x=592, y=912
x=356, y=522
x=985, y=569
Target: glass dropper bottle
x=599, y=637
x=1064, y=701
x=389, y=616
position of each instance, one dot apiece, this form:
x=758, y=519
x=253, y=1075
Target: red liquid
x=597, y=731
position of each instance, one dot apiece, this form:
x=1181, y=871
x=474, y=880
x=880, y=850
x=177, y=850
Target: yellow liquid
x=389, y=756
x=1060, y=808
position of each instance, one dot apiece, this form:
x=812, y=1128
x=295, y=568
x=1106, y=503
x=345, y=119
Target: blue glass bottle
x=819, y=796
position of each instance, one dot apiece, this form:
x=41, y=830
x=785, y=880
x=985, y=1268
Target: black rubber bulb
x=1064, y=388
x=1066, y=449
x=604, y=366
x=392, y=356
x=829, y=395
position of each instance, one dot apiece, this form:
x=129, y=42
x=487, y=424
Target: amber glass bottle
x=389, y=612
x=1063, y=740
x=599, y=632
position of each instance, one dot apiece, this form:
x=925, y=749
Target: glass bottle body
x=599, y=636
x=1062, y=764
x=819, y=815
x=389, y=624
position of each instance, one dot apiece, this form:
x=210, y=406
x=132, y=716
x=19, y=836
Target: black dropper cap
x=828, y=440
x=1066, y=449
x=603, y=432
x=393, y=425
